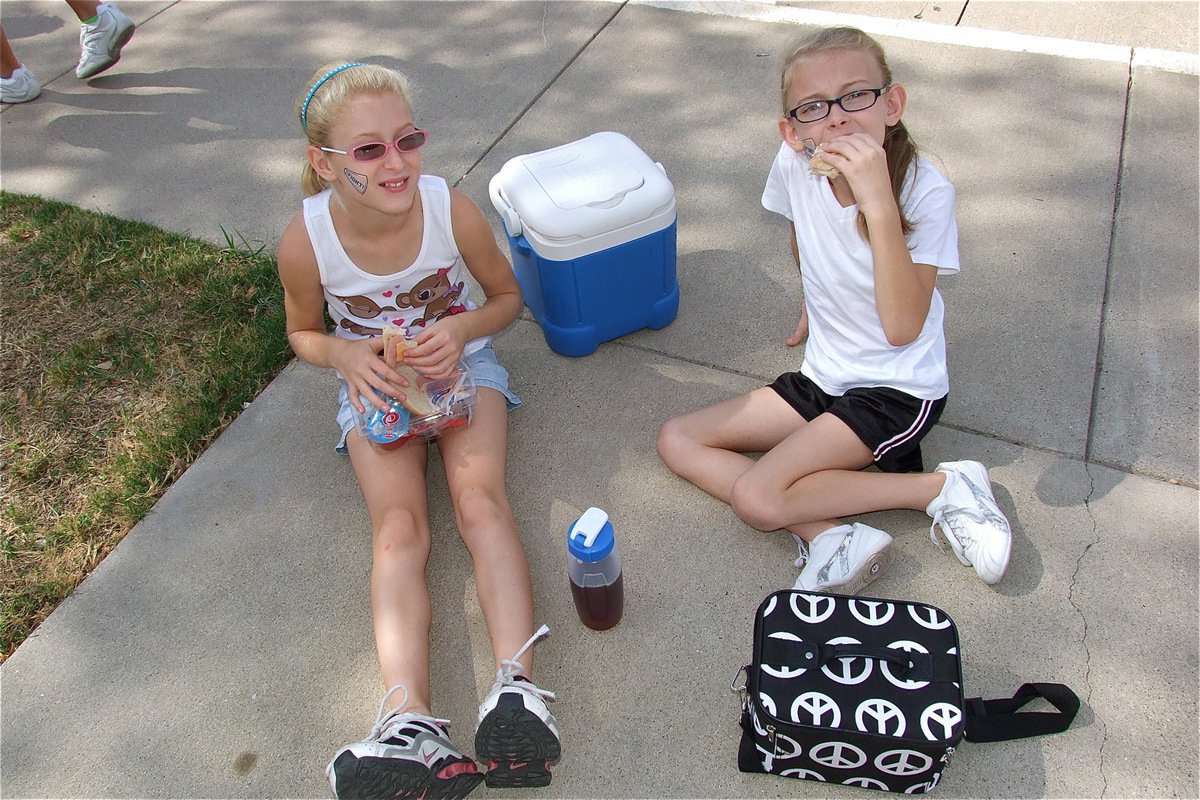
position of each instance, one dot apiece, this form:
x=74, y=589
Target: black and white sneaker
x=406, y=755
x=517, y=740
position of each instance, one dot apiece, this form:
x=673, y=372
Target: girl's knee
x=756, y=506
x=479, y=509
x=673, y=442
x=400, y=532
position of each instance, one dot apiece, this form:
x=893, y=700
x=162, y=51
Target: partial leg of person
x=105, y=31
x=810, y=475
x=8, y=59
x=810, y=480
x=17, y=83
x=393, y=485
x=708, y=446
x=84, y=9
x=518, y=738
x=814, y=477
x=408, y=752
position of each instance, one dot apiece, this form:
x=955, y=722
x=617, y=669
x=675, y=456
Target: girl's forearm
x=496, y=314
x=315, y=347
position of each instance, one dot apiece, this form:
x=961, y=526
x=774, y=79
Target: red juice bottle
x=594, y=567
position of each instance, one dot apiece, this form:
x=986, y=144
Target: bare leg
x=707, y=446
x=475, y=467
x=8, y=59
x=393, y=485
x=810, y=473
x=814, y=477
x=84, y=9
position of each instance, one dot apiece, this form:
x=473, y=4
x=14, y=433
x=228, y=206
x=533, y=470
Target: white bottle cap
x=589, y=526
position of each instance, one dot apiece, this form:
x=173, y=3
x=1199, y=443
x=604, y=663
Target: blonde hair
x=898, y=145
x=326, y=96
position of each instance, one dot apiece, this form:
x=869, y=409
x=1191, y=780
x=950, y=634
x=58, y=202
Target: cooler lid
x=585, y=188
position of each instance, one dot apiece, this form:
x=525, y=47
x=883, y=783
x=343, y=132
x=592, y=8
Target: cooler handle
x=512, y=220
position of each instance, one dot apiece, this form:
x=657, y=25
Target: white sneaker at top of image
x=843, y=559
x=972, y=523
x=20, y=87
x=100, y=43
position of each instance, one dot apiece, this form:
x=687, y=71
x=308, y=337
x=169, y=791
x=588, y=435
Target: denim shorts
x=485, y=370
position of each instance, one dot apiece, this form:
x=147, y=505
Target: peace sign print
x=838, y=755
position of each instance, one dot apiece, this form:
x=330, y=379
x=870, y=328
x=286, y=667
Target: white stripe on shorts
x=904, y=436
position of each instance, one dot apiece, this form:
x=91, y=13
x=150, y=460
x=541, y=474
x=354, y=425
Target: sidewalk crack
x=1087, y=677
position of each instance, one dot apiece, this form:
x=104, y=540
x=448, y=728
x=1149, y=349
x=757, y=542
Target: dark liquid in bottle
x=600, y=607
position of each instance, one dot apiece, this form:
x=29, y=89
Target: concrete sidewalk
x=224, y=649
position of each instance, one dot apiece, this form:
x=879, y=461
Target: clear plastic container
x=452, y=398
x=594, y=567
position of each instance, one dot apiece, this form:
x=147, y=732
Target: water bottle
x=594, y=566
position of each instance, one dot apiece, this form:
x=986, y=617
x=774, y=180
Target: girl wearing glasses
x=378, y=243
x=871, y=229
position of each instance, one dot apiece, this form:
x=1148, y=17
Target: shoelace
x=510, y=668
x=946, y=520
x=803, y=545
x=986, y=515
x=385, y=717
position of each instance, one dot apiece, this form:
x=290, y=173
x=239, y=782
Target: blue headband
x=308, y=98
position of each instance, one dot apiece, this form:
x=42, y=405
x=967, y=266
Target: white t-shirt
x=433, y=286
x=846, y=345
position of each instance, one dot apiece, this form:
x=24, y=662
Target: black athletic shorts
x=888, y=421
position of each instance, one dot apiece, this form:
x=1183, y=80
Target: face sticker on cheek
x=358, y=181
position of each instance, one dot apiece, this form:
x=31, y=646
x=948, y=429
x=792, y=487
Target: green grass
x=124, y=351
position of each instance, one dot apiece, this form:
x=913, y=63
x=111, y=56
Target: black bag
x=868, y=692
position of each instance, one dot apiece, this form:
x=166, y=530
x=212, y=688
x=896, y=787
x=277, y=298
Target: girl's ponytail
x=901, y=154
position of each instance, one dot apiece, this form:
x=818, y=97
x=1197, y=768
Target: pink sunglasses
x=373, y=151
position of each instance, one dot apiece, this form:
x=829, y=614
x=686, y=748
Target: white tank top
x=433, y=286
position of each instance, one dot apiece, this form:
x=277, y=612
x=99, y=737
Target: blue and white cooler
x=591, y=229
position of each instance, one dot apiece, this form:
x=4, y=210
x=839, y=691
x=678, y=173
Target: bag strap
x=1000, y=720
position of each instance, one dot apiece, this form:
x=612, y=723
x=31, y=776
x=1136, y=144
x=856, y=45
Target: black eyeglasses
x=817, y=110
x=373, y=151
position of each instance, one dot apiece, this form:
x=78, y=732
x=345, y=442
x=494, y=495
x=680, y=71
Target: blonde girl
x=378, y=243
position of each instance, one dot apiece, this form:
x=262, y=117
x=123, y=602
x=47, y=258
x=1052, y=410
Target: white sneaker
x=971, y=521
x=518, y=738
x=406, y=755
x=845, y=558
x=20, y=87
x=100, y=43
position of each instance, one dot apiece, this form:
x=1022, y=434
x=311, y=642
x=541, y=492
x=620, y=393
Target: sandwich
x=817, y=165
x=415, y=399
